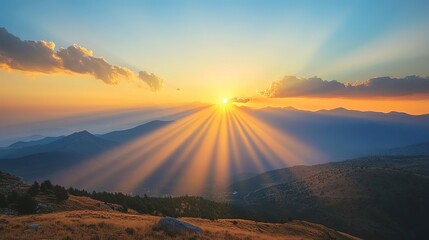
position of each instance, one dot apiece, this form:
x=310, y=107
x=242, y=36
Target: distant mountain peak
x=80, y=135
x=132, y=133
x=84, y=132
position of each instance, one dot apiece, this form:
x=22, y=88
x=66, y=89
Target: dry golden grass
x=81, y=203
x=86, y=218
x=93, y=224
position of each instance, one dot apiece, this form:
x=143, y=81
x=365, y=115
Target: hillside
x=343, y=134
x=373, y=198
x=40, y=166
x=322, y=136
x=414, y=164
x=42, y=159
x=90, y=224
x=44, y=140
x=132, y=133
x=420, y=149
x=80, y=142
x=80, y=217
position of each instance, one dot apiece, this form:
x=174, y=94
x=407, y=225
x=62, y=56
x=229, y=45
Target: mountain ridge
x=379, y=197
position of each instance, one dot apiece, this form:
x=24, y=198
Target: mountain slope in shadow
x=372, y=198
x=419, y=149
x=44, y=140
x=41, y=159
x=80, y=142
x=132, y=133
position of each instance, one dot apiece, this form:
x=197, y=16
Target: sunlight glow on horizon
x=204, y=149
x=214, y=49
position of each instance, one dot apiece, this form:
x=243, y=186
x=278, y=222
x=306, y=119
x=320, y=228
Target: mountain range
x=381, y=196
x=337, y=134
x=340, y=134
x=44, y=158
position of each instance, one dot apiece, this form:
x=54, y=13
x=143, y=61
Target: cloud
x=239, y=100
x=155, y=83
x=40, y=56
x=27, y=55
x=80, y=60
x=291, y=86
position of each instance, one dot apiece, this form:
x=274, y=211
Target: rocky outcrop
x=173, y=226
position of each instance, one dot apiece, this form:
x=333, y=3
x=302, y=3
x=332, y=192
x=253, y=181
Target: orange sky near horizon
x=148, y=54
x=62, y=94
x=27, y=95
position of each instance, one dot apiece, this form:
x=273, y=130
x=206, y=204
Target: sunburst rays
x=198, y=154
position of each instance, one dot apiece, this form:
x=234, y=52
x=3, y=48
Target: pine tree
x=46, y=186
x=61, y=193
x=34, y=189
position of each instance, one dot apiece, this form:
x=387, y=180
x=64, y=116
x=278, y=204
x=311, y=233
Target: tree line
x=24, y=202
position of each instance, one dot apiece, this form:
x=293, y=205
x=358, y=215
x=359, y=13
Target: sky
x=68, y=55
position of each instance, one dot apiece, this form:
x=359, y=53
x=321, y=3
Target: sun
x=225, y=101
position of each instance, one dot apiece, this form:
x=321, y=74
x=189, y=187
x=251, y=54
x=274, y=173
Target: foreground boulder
x=174, y=226
x=34, y=226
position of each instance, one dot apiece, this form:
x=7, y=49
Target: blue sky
x=233, y=48
x=143, y=34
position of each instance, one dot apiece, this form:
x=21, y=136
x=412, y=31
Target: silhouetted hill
x=41, y=166
x=45, y=140
x=420, y=149
x=42, y=159
x=79, y=142
x=338, y=133
x=132, y=133
x=83, y=142
x=332, y=135
x=417, y=165
x=373, y=198
x=8, y=141
x=341, y=134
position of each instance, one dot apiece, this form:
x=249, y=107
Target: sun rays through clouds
x=198, y=154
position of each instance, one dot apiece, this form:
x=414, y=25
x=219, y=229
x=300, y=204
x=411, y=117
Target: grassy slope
x=91, y=224
x=375, y=198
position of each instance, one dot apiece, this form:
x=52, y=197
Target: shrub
x=12, y=197
x=25, y=204
x=3, y=201
x=130, y=231
x=61, y=193
x=34, y=189
x=46, y=186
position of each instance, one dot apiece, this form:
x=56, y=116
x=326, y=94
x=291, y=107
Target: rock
x=34, y=226
x=43, y=208
x=174, y=226
x=8, y=211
